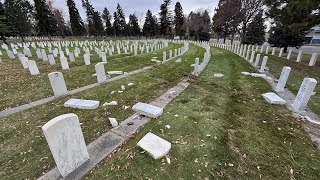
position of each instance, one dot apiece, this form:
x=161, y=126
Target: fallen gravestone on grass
x=82, y=104
x=147, y=110
x=154, y=145
x=273, y=98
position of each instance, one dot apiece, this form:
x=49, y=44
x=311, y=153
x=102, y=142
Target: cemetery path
x=221, y=129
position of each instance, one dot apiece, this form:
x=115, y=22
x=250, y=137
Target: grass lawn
x=19, y=87
x=224, y=130
x=299, y=71
x=24, y=150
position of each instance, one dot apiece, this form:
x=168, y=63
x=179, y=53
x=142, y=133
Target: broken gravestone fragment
x=147, y=110
x=258, y=75
x=218, y=75
x=115, y=72
x=113, y=103
x=246, y=73
x=154, y=145
x=82, y=104
x=113, y=122
x=273, y=98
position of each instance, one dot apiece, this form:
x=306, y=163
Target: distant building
x=314, y=35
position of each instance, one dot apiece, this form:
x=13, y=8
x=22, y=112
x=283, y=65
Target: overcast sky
x=132, y=6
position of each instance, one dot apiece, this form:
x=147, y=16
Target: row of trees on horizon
x=20, y=18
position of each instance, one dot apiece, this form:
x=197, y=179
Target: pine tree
x=3, y=23
x=179, y=19
x=256, y=30
x=165, y=18
x=116, y=27
x=46, y=23
x=133, y=25
x=122, y=20
x=76, y=21
x=293, y=19
x=19, y=15
x=86, y=4
x=150, y=27
x=107, y=19
x=97, y=24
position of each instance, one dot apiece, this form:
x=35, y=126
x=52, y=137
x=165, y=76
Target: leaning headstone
x=155, y=146
x=164, y=56
x=52, y=61
x=313, y=59
x=305, y=92
x=272, y=98
x=283, y=79
x=66, y=142
x=24, y=62
x=33, y=68
x=289, y=54
x=82, y=104
x=273, y=51
x=299, y=58
x=100, y=71
x=147, y=110
x=58, y=84
x=113, y=122
x=252, y=56
x=281, y=52
x=64, y=63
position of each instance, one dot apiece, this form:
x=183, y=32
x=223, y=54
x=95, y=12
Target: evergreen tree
x=46, y=23
x=98, y=29
x=3, y=23
x=107, y=19
x=116, y=26
x=76, y=21
x=150, y=27
x=58, y=16
x=19, y=15
x=165, y=18
x=122, y=20
x=179, y=19
x=133, y=25
x=199, y=25
x=256, y=30
x=293, y=20
x=86, y=4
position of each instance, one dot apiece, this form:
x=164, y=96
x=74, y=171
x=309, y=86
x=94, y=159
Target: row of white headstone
x=307, y=87
x=244, y=47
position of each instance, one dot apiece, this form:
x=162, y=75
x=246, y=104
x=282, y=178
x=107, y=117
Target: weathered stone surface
x=273, y=98
x=33, y=68
x=305, y=92
x=58, y=84
x=66, y=142
x=113, y=122
x=82, y=104
x=147, y=110
x=154, y=145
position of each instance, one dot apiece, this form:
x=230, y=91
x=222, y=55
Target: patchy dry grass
x=224, y=130
x=24, y=151
x=19, y=87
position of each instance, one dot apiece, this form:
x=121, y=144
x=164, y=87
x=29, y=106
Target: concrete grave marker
x=313, y=59
x=66, y=142
x=272, y=98
x=305, y=92
x=147, y=110
x=289, y=54
x=24, y=62
x=283, y=79
x=82, y=104
x=100, y=72
x=52, y=61
x=58, y=84
x=33, y=68
x=252, y=56
x=154, y=145
x=256, y=64
x=87, y=59
x=263, y=64
x=64, y=63
x=299, y=58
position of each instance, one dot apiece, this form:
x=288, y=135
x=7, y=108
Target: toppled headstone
x=113, y=122
x=120, y=92
x=94, y=75
x=246, y=73
x=115, y=72
x=178, y=60
x=218, y=75
x=82, y=104
x=147, y=110
x=273, y=98
x=258, y=75
x=130, y=84
x=112, y=103
x=154, y=145
x=123, y=87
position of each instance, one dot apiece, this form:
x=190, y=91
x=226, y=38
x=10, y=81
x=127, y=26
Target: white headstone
x=33, y=68
x=272, y=98
x=58, y=84
x=64, y=63
x=281, y=52
x=164, y=56
x=313, y=59
x=71, y=57
x=24, y=62
x=273, y=51
x=256, y=63
x=147, y=110
x=252, y=56
x=52, y=61
x=283, y=79
x=66, y=142
x=82, y=104
x=87, y=59
x=305, y=92
x=299, y=58
x=289, y=54
x=104, y=57
x=100, y=71
x=264, y=64
x=154, y=145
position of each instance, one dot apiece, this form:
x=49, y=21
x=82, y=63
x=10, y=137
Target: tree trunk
x=22, y=37
x=285, y=49
x=3, y=38
x=243, y=36
x=232, y=37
